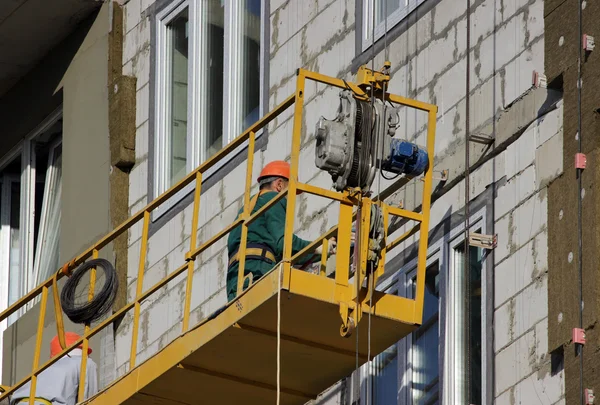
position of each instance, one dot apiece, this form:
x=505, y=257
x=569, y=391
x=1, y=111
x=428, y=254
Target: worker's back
x=265, y=234
x=59, y=383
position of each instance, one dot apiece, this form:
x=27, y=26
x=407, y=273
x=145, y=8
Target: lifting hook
x=347, y=329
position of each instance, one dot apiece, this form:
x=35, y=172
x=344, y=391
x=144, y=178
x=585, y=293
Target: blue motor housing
x=405, y=158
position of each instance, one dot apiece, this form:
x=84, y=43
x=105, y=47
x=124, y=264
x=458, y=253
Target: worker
x=264, y=246
x=59, y=383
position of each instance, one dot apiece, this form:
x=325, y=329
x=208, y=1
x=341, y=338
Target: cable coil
x=102, y=301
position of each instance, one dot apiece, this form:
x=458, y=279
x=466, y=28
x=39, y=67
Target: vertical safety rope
x=279, y=332
x=467, y=267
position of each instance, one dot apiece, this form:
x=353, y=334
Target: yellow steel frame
x=351, y=297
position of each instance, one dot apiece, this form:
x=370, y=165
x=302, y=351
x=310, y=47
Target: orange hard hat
x=276, y=168
x=70, y=338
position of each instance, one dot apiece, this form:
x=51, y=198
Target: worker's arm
x=91, y=380
x=275, y=218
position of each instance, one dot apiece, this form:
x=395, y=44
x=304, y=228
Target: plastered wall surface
x=428, y=63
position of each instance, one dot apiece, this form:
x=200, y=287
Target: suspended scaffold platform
x=292, y=331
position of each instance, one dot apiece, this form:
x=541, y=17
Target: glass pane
x=14, y=273
x=385, y=8
x=472, y=323
x=476, y=265
x=385, y=377
x=250, y=64
x=212, y=64
x=178, y=37
x=47, y=244
x=425, y=347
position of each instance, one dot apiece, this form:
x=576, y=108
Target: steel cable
x=102, y=301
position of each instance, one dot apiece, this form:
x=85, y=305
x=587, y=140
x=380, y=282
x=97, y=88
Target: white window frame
x=196, y=85
x=26, y=218
x=441, y=251
x=392, y=20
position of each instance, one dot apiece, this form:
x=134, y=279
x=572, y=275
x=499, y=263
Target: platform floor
x=232, y=358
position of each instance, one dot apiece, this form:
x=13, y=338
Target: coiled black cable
x=102, y=301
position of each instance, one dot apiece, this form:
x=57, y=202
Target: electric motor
x=404, y=157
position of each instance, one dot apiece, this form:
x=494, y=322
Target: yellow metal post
x=58, y=315
x=342, y=268
x=363, y=246
x=38, y=344
x=86, y=342
x=246, y=214
x=424, y=228
x=386, y=223
x=138, y=289
x=324, y=254
x=192, y=260
x=293, y=183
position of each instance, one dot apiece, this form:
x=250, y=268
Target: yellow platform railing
x=349, y=200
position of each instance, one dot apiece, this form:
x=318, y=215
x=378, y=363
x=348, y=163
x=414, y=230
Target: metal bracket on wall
x=580, y=161
x=442, y=177
x=588, y=43
x=579, y=336
x=589, y=397
x=379, y=79
x=483, y=241
x=482, y=138
x=539, y=80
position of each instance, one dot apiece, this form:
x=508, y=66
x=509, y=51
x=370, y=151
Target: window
x=424, y=356
x=428, y=367
x=381, y=14
x=30, y=193
x=208, y=81
x=468, y=331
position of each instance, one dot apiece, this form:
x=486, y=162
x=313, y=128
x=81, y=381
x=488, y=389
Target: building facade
x=151, y=89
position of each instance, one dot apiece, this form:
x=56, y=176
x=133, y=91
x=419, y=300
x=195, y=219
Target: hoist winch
x=352, y=148
x=360, y=141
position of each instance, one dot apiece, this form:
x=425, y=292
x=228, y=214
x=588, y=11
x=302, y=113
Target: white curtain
x=47, y=248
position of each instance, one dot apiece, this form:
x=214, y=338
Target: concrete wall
x=429, y=63
x=86, y=161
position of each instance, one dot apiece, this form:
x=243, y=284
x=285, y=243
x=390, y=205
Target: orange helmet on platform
x=276, y=168
x=70, y=338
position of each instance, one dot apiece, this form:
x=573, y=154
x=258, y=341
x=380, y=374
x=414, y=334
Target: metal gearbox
x=360, y=140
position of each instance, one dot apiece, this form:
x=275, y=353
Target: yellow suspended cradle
x=230, y=358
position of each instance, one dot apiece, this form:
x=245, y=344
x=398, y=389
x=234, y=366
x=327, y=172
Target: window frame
x=440, y=251
x=366, y=32
x=231, y=87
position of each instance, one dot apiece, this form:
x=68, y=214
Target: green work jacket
x=267, y=229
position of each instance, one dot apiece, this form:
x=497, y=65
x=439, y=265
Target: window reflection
x=424, y=356
x=178, y=33
x=385, y=376
x=469, y=325
x=384, y=8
